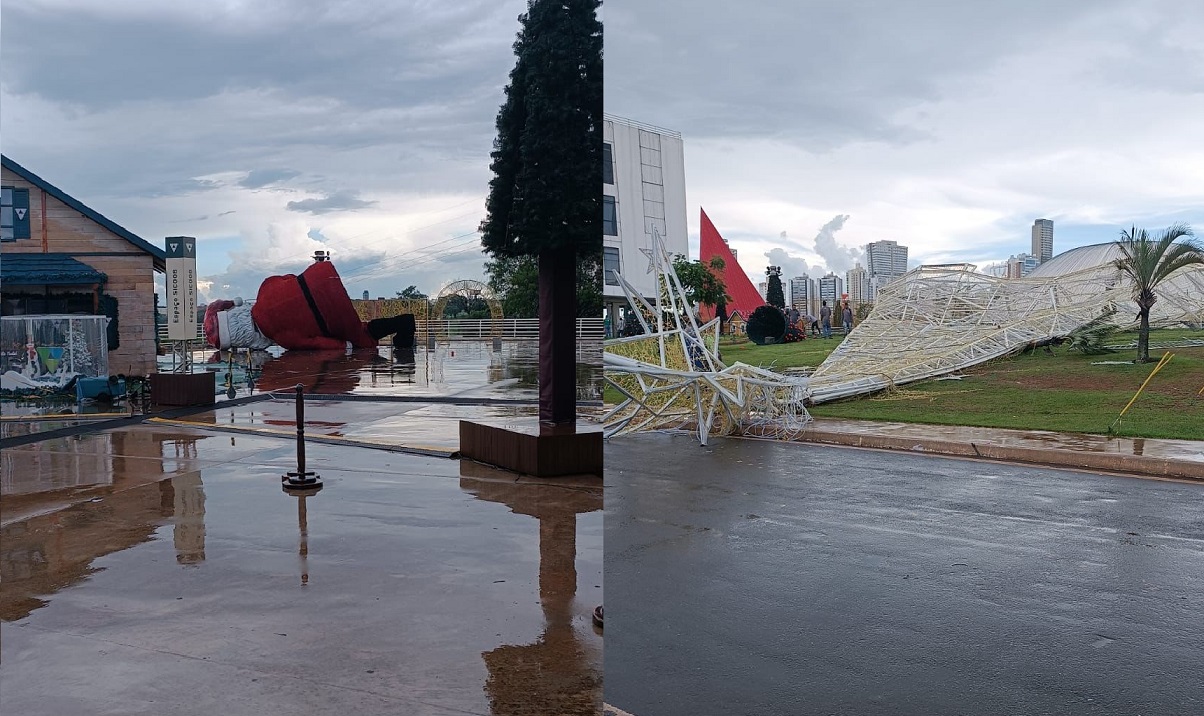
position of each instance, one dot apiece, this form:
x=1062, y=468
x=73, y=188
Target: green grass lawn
x=810, y=352
x=1061, y=391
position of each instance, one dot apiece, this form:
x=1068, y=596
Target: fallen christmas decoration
x=934, y=321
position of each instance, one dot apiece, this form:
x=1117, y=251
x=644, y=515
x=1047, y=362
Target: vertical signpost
x=181, y=292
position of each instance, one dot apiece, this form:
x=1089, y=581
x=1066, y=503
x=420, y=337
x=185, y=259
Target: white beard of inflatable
x=236, y=329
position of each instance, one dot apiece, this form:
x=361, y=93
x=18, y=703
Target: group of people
x=822, y=326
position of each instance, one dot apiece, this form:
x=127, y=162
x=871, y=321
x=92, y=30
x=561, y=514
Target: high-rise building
x=763, y=289
x=643, y=191
x=884, y=262
x=1042, y=240
x=885, y=258
x=857, y=285
x=1021, y=265
x=831, y=288
x=803, y=294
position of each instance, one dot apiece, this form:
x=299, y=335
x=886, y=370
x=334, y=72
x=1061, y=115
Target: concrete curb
x=1105, y=461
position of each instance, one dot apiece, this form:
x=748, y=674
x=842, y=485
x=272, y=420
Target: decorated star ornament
x=651, y=259
x=672, y=375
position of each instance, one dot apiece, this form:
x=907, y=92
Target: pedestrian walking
x=825, y=319
x=847, y=317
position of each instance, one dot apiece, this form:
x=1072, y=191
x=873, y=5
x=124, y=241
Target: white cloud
x=947, y=128
x=209, y=119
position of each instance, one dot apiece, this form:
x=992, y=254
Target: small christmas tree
x=79, y=358
x=774, y=295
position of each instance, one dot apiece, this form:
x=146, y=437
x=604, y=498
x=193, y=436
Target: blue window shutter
x=21, y=214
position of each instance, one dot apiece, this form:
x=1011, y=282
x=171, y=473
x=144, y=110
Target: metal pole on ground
x=302, y=479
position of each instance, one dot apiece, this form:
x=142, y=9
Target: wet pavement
x=160, y=570
x=1185, y=450
x=416, y=425
x=755, y=577
x=1181, y=459
x=459, y=368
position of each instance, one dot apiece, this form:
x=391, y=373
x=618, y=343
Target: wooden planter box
x=183, y=388
x=532, y=449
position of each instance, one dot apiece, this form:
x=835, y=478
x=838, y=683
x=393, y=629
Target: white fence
x=588, y=329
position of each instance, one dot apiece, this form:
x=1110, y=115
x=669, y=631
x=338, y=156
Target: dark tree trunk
x=1143, y=337
x=558, y=336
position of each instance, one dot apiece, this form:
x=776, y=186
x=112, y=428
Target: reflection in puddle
x=395, y=550
x=44, y=554
x=558, y=673
x=447, y=368
x=188, y=534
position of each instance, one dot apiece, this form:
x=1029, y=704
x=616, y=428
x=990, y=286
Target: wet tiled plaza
x=160, y=568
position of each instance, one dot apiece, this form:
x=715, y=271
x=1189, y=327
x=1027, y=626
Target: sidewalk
x=164, y=547
x=1180, y=459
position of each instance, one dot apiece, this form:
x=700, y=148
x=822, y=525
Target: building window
x=14, y=214
x=608, y=166
x=610, y=264
x=610, y=220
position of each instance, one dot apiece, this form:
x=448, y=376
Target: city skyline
x=881, y=115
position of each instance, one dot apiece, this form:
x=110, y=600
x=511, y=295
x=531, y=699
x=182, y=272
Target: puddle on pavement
x=402, y=576
x=454, y=368
x=464, y=368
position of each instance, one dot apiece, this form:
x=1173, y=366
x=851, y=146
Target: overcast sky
x=269, y=128
x=948, y=126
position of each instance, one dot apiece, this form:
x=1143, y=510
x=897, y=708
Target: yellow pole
x=1165, y=359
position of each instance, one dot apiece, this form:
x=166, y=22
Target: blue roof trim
x=158, y=253
x=47, y=270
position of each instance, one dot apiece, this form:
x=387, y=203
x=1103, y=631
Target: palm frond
x=1147, y=262
x=1092, y=338
x=1177, y=256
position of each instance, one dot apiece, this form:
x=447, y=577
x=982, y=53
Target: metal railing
x=588, y=329
x=641, y=125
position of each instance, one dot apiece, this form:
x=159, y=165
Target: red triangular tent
x=744, y=296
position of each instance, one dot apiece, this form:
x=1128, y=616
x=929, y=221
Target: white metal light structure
x=932, y=321
x=672, y=377
x=936, y=320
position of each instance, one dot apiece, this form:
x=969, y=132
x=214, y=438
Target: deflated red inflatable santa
x=309, y=311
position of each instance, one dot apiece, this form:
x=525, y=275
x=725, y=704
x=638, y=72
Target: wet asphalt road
x=764, y=578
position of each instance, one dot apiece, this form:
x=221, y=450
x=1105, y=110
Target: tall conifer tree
x=545, y=199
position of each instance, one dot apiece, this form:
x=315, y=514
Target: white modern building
x=643, y=191
x=857, y=285
x=1042, y=240
x=831, y=289
x=804, y=295
x=885, y=261
x=885, y=258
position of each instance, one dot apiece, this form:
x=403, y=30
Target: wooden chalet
x=59, y=256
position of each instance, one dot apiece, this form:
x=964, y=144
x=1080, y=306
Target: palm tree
x=1147, y=262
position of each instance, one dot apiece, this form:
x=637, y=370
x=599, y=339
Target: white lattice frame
x=746, y=399
x=940, y=319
